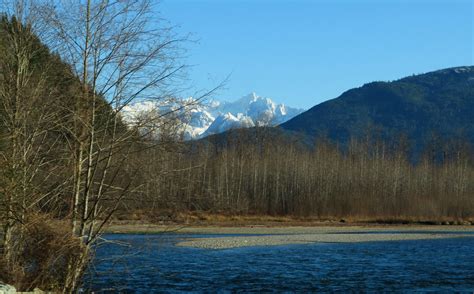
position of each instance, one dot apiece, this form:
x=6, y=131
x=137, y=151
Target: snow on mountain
x=228, y=121
x=198, y=120
x=248, y=111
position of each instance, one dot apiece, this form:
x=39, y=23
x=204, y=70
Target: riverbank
x=144, y=222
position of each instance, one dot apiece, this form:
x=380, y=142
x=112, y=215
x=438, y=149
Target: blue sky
x=304, y=52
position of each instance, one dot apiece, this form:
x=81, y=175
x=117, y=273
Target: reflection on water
x=152, y=262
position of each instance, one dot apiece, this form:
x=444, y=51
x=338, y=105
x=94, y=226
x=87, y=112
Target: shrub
x=44, y=250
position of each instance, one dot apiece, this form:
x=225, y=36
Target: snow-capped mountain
x=197, y=120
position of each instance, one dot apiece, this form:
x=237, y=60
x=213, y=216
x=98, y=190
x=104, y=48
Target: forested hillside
x=43, y=117
x=435, y=106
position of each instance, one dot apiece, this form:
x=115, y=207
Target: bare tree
x=121, y=52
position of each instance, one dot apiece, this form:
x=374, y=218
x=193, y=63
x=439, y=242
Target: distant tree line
x=272, y=174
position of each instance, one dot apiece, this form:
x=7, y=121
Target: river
x=148, y=263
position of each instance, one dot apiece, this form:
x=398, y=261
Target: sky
x=302, y=53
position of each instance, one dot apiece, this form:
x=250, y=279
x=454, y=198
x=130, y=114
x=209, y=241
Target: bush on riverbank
x=43, y=249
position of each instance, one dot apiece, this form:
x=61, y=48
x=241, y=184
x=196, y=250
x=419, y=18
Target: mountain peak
x=253, y=96
x=245, y=100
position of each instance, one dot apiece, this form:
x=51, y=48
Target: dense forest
x=69, y=164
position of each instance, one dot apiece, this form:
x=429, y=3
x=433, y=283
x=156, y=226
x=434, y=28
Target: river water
x=136, y=263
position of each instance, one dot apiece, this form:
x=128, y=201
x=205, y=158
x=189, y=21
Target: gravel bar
x=337, y=236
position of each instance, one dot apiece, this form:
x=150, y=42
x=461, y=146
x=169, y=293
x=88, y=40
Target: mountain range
x=437, y=105
x=433, y=110
x=198, y=120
